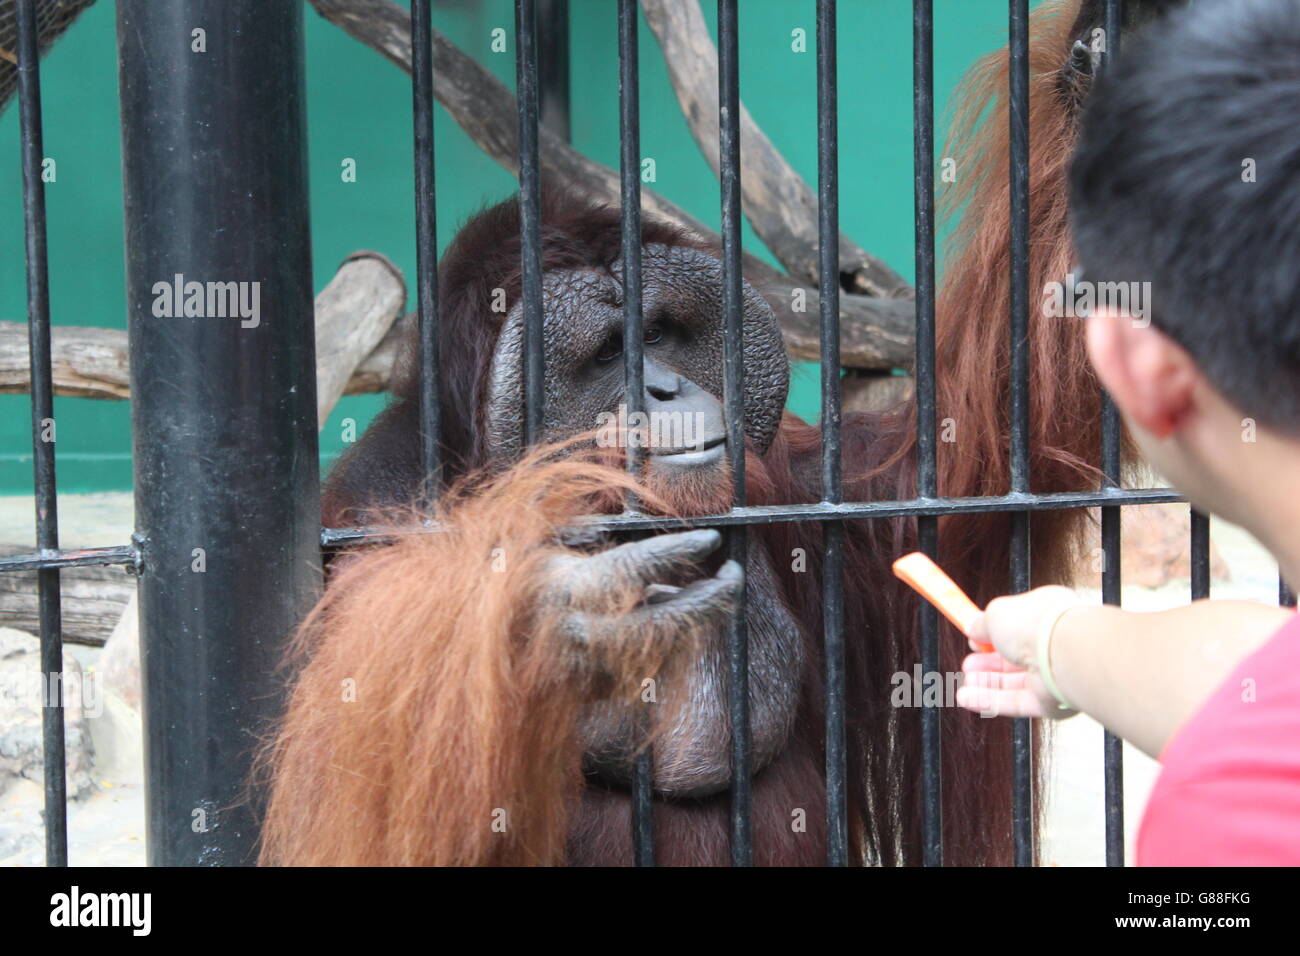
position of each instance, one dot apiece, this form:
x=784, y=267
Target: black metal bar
x=926, y=449
x=78, y=558
x=1112, y=745
x=1200, y=558
x=223, y=407
x=1111, y=430
x=426, y=241
x=1019, y=114
x=837, y=831
x=1022, y=732
x=1114, y=27
x=643, y=838
x=733, y=400
x=553, y=43
x=43, y=434
x=828, y=234
x=630, y=197
x=828, y=226
x=530, y=184
x=822, y=511
x=629, y=131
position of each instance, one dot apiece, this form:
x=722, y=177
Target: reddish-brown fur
x=467, y=701
x=435, y=696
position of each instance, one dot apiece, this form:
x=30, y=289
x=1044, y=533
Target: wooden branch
x=52, y=19
x=776, y=200
x=486, y=110
x=93, y=599
x=870, y=392
x=877, y=334
x=87, y=362
x=375, y=372
x=482, y=106
x=356, y=314
x=353, y=314
x=357, y=337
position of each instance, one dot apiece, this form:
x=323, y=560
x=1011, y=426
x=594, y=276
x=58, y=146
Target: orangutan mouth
x=703, y=453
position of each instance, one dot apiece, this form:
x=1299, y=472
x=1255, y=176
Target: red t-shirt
x=1229, y=793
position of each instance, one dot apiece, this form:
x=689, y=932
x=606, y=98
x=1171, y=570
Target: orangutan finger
x=700, y=602
x=633, y=565
x=666, y=610
x=650, y=558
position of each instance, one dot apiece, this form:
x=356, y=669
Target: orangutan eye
x=611, y=349
x=613, y=346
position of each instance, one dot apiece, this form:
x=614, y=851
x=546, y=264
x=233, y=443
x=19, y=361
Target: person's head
x=1186, y=179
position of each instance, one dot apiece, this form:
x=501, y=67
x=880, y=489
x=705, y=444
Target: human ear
x=1149, y=375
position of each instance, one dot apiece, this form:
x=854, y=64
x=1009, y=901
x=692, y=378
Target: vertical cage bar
x=1022, y=733
x=733, y=400
x=629, y=132
x=223, y=407
x=828, y=229
x=1112, y=745
x=1200, y=545
x=530, y=218
x=426, y=242
x=927, y=474
x=1111, y=549
x=42, y=408
x=553, y=41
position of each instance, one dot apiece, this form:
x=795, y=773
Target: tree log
x=53, y=17
x=776, y=200
x=87, y=362
x=353, y=314
x=93, y=600
x=356, y=314
x=355, y=319
x=877, y=333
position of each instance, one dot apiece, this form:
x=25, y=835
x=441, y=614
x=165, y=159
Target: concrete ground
x=107, y=827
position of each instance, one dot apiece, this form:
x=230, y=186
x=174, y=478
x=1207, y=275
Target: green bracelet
x=1045, y=655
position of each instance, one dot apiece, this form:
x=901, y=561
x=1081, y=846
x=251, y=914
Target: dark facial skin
x=683, y=320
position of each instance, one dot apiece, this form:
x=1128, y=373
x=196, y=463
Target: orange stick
x=929, y=581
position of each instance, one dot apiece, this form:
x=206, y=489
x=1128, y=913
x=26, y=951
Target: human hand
x=1006, y=681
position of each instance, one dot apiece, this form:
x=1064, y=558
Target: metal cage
x=210, y=451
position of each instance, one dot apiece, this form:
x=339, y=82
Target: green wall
x=359, y=107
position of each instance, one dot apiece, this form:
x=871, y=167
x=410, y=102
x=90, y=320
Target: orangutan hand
x=590, y=592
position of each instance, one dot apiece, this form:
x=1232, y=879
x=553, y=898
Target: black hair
x=1187, y=176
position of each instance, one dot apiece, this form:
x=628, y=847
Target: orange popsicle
x=929, y=581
